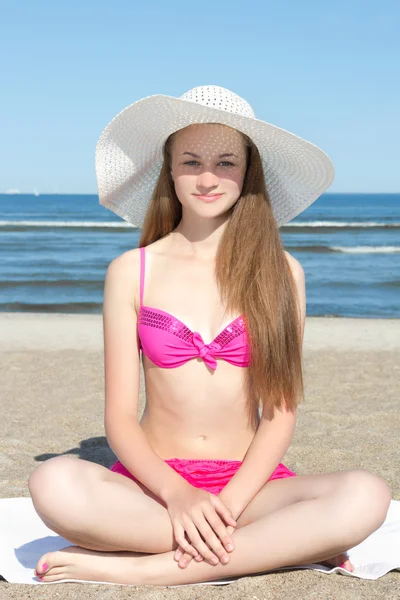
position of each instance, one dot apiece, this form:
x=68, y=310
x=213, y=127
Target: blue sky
x=327, y=71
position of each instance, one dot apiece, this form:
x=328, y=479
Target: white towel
x=24, y=539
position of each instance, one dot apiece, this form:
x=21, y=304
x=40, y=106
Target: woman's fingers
x=223, y=511
x=183, y=558
x=220, y=529
x=192, y=530
x=205, y=533
x=178, y=553
x=209, y=536
x=187, y=558
x=179, y=533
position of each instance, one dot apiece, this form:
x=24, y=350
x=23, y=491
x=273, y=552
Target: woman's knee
x=53, y=478
x=370, y=493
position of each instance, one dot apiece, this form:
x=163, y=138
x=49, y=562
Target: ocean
x=55, y=249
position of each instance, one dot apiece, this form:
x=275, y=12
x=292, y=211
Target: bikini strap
x=142, y=270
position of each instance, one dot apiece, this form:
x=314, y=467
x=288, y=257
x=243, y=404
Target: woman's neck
x=198, y=237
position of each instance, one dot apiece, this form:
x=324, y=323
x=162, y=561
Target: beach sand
x=52, y=394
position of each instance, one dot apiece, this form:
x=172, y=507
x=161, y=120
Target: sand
x=52, y=391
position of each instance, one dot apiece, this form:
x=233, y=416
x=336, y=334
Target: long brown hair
x=254, y=280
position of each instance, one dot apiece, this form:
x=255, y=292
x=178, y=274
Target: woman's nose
x=207, y=179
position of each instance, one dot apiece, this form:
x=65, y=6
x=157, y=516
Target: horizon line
x=96, y=194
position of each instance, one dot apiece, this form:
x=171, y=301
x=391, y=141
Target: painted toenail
x=343, y=566
x=41, y=578
x=45, y=567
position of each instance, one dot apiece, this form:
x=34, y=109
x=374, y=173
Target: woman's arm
x=273, y=436
x=122, y=376
x=266, y=451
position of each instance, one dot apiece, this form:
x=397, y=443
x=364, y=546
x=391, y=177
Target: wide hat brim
x=129, y=157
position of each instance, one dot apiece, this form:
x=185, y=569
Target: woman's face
x=208, y=166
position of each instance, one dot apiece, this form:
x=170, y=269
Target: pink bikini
x=169, y=343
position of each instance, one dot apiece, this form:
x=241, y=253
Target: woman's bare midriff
x=195, y=413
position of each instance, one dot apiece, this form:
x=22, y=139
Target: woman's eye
x=226, y=162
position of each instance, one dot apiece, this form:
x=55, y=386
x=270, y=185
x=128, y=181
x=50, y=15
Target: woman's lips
x=209, y=197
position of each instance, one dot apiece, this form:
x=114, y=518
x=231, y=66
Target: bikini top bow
x=205, y=350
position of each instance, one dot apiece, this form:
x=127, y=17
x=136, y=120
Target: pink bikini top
x=168, y=343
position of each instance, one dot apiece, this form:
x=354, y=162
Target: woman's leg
x=306, y=487
x=276, y=494
x=307, y=531
x=93, y=507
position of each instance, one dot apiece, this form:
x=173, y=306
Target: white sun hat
x=129, y=152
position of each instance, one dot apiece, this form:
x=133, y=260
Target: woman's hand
x=184, y=558
x=197, y=525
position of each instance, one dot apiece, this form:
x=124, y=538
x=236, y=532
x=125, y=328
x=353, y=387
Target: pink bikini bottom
x=209, y=475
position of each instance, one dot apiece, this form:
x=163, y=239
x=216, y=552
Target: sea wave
x=88, y=285
x=71, y=307
x=67, y=224
x=346, y=249
x=367, y=249
x=303, y=225
x=344, y=224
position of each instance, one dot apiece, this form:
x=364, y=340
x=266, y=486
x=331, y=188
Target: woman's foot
x=341, y=560
x=74, y=562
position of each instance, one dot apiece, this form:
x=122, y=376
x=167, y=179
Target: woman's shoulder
x=295, y=265
x=122, y=278
x=129, y=261
x=126, y=261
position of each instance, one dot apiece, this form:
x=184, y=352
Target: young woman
x=217, y=309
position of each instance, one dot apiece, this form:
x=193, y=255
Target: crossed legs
x=123, y=533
